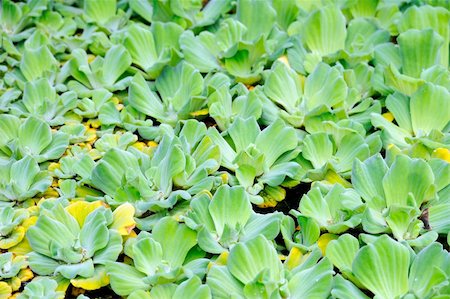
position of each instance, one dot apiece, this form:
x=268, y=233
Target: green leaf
x=275, y=140
x=109, y=172
x=94, y=234
x=287, y=12
x=10, y=15
x=42, y=264
x=382, y=267
x=111, y=251
x=177, y=85
x=125, y=279
x=438, y=218
x=23, y=173
x=198, y=52
x=324, y=31
x=176, y=240
x=426, y=109
x=342, y=252
x=230, y=207
x=419, y=50
x=144, y=100
x=257, y=16
x=309, y=230
x=407, y=176
x=147, y=256
x=314, y=282
x=425, y=17
x=48, y=236
x=367, y=177
x=364, y=9
x=427, y=270
x=351, y=147
x=343, y=288
x=141, y=46
x=41, y=287
x=318, y=149
x=37, y=62
x=324, y=86
x=34, y=136
x=402, y=221
x=172, y=161
x=192, y=289
x=243, y=132
x=249, y=259
x=283, y=86
x=399, y=105
x=143, y=8
x=223, y=284
x=267, y=225
x=335, y=210
x=117, y=60
x=100, y=11
x=9, y=128
x=69, y=271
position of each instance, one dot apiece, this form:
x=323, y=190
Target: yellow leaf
x=13, y=239
x=123, y=220
x=200, y=112
x=15, y=283
x=33, y=210
x=324, y=240
x=442, y=153
x=29, y=222
x=152, y=144
x=80, y=209
x=53, y=166
x=294, y=258
x=25, y=275
x=115, y=100
x=284, y=60
x=221, y=260
x=388, y=116
x=22, y=248
x=5, y=290
x=333, y=178
x=139, y=145
x=91, y=134
x=94, y=123
x=63, y=283
x=100, y=279
x=91, y=58
x=50, y=193
x=132, y=235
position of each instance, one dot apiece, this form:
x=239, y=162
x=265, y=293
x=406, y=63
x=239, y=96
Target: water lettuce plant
x=420, y=274
x=227, y=219
x=13, y=271
x=224, y=149
x=255, y=158
x=395, y=194
x=181, y=165
x=76, y=242
x=41, y=287
x=163, y=265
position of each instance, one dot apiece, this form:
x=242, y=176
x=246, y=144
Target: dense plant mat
x=224, y=149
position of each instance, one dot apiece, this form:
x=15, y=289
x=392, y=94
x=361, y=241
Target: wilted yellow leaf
x=123, y=219
x=80, y=209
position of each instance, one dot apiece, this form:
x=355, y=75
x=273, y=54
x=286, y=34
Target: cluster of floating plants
x=196, y=149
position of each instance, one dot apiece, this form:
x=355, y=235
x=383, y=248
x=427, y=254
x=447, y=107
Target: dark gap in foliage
x=209, y=122
x=102, y=293
x=292, y=200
